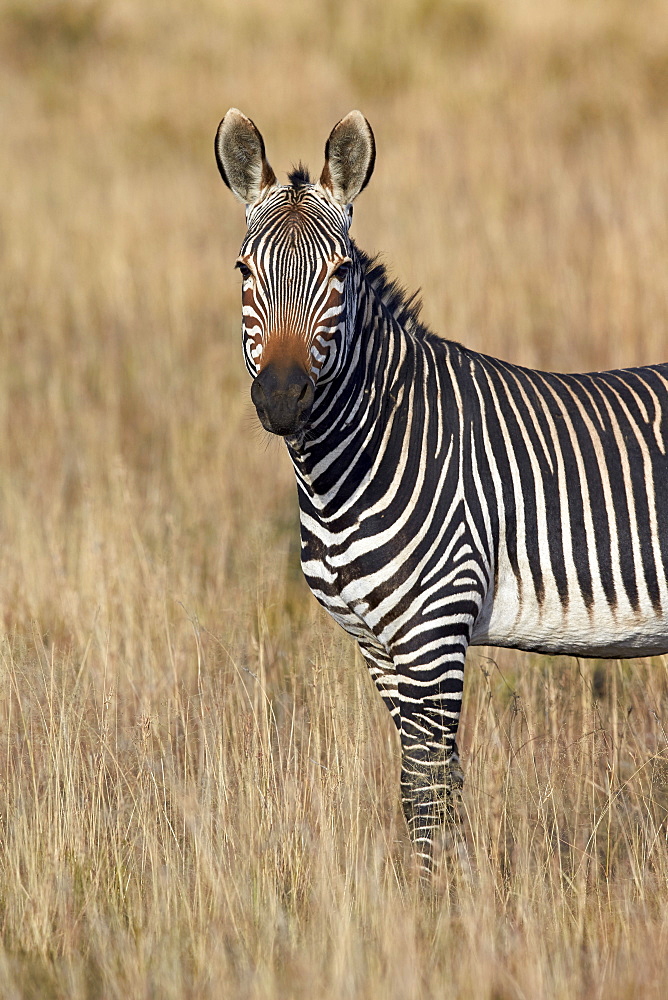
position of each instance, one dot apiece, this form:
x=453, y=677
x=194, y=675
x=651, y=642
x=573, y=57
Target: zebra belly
x=518, y=621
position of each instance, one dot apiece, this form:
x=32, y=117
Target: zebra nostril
x=258, y=394
x=306, y=395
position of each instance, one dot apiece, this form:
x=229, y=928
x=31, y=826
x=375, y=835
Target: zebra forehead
x=306, y=208
x=292, y=250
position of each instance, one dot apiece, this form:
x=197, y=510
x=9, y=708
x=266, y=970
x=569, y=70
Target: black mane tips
x=299, y=176
x=404, y=306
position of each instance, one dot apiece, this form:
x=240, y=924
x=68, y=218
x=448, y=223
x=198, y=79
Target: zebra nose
x=282, y=398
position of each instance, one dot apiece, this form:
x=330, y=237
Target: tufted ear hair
x=240, y=157
x=350, y=155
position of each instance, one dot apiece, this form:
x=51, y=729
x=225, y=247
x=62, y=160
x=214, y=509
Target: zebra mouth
x=283, y=399
x=282, y=428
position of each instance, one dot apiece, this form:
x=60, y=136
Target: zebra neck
x=362, y=416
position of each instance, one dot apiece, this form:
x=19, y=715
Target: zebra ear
x=350, y=155
x=240, y=157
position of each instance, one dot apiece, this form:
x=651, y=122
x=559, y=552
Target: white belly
x=516, y=620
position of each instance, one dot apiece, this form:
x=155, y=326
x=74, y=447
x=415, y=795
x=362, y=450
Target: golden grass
x=199, y=789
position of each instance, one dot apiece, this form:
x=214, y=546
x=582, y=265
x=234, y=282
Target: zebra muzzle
x=283, y=398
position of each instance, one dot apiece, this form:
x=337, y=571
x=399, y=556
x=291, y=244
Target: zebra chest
x=342, y=576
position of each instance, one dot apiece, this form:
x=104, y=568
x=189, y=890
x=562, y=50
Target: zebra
x=446, y=498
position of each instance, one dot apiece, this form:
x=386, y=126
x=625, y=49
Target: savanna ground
x=198, y=785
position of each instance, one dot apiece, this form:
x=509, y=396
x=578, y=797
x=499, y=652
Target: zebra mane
x=299, y=176
x=405, y=306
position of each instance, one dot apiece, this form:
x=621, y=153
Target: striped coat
x=446, y=498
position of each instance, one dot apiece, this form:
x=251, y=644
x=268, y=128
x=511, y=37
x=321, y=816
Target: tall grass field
x=198, y=782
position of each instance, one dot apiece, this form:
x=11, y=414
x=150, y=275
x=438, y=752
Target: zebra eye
x=245, y=270
x=343, y=268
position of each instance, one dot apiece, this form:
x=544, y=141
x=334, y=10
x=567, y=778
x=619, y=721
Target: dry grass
x=198, y=787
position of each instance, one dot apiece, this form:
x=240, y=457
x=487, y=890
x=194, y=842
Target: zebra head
x=296, y=264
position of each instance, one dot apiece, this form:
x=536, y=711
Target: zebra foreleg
x=385, y=678
x=431, y=775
